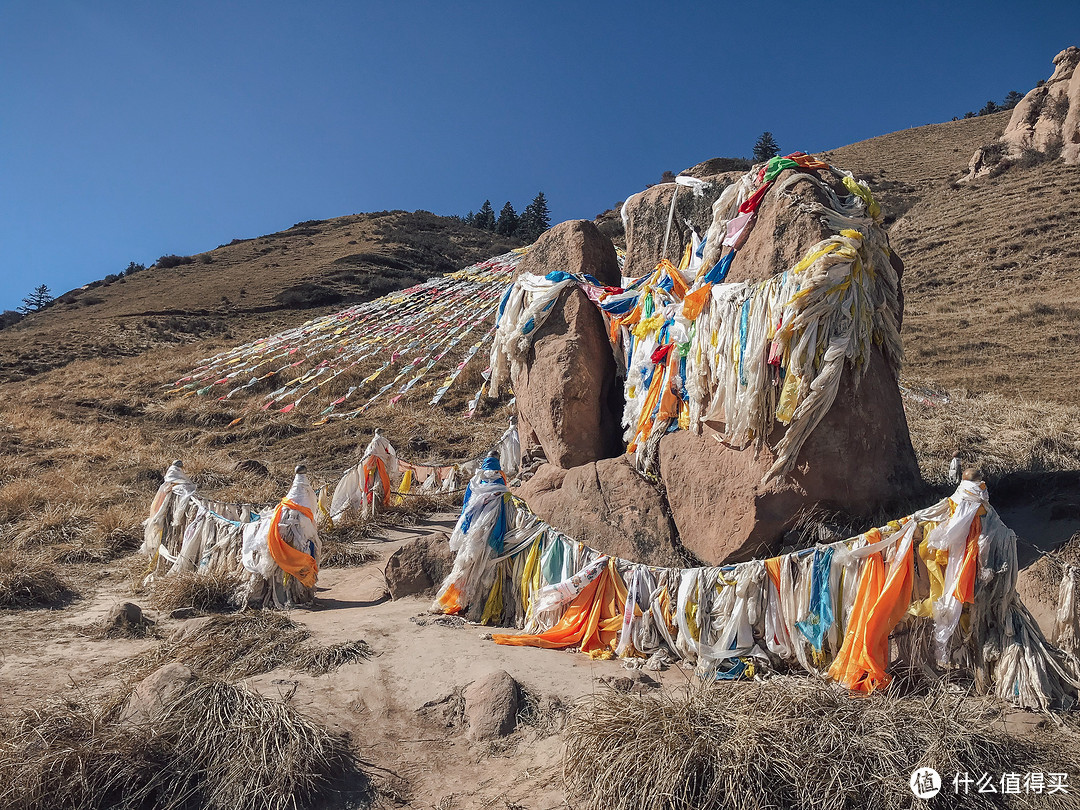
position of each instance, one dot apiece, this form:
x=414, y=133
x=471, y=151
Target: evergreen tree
x=470, y=219
x=134, y=267
x=485, y=217
x=37, y=300
x=667, y=177
x=766, y=147
x=1012, y=100
x=535, y=219
x=508, y=221
x=989, y=108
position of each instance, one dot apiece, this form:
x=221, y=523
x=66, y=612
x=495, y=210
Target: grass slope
x=246, y=289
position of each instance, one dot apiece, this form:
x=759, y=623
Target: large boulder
x=419, y=566
x=858, y=461
x=568, y=395
x=645, y=217
x=574, y=246
x=569, y=399
x=609, y=506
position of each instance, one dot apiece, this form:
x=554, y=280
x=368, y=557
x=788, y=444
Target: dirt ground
x=389, y=704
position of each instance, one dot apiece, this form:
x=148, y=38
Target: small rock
x=125, y=616
x=635, y=681
x=184, y=613
x=491, y=706
x=417, y=568
x=158, y=690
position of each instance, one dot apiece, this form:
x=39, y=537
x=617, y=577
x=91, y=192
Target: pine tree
x=1012, y=100
x=469, y=219
x=508, y=221
x=37, y=300
x=535, y=219
x=485, y=217
x=989, y=108
x=765, y=148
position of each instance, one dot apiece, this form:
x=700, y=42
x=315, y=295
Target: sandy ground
x=391, y=705
x=423, y=761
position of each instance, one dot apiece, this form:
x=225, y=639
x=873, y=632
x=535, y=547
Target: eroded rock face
x=569, y=399
x=418, y=567
x=1046, y=121
x=607, y=505
x=1049, y=115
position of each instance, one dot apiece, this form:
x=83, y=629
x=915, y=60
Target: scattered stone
x=126, y=618
x=182, y=613
x=419, y=567
x=491, y=706
x=635, y=681
x=189, y=629
x=157, y=690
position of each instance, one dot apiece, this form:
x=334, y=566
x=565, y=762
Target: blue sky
x=131, y=130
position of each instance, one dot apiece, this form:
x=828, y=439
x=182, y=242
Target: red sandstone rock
x=608, y=506
x=568, y=396
x=574, y=246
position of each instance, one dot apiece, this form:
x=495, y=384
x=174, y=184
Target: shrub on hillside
x=9, y=317
x=172, y=260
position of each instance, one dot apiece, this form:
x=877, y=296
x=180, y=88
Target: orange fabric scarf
x=880, y=604
x=291, y=560
x=592, y=620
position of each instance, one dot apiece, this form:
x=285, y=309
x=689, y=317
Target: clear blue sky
x=131, y=130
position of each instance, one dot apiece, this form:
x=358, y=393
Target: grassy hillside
x=993, y=266
x=245, y=289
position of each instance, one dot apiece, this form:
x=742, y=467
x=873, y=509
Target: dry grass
x=31, y=580
x=234, y=647
x=214, y=746
x=205, y=592
x=790, y=742
x=999, y=434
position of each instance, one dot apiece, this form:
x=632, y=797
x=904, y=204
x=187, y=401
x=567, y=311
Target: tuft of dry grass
x=1000, y=434
x=208, y=592
x=32, y=580
x=234, y=647
x=791, y=742
x=215, y=745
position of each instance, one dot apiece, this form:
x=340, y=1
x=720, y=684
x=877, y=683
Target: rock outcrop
x=712, y=503
x=608, y=505
x=568, y=395
x=1046, y=122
